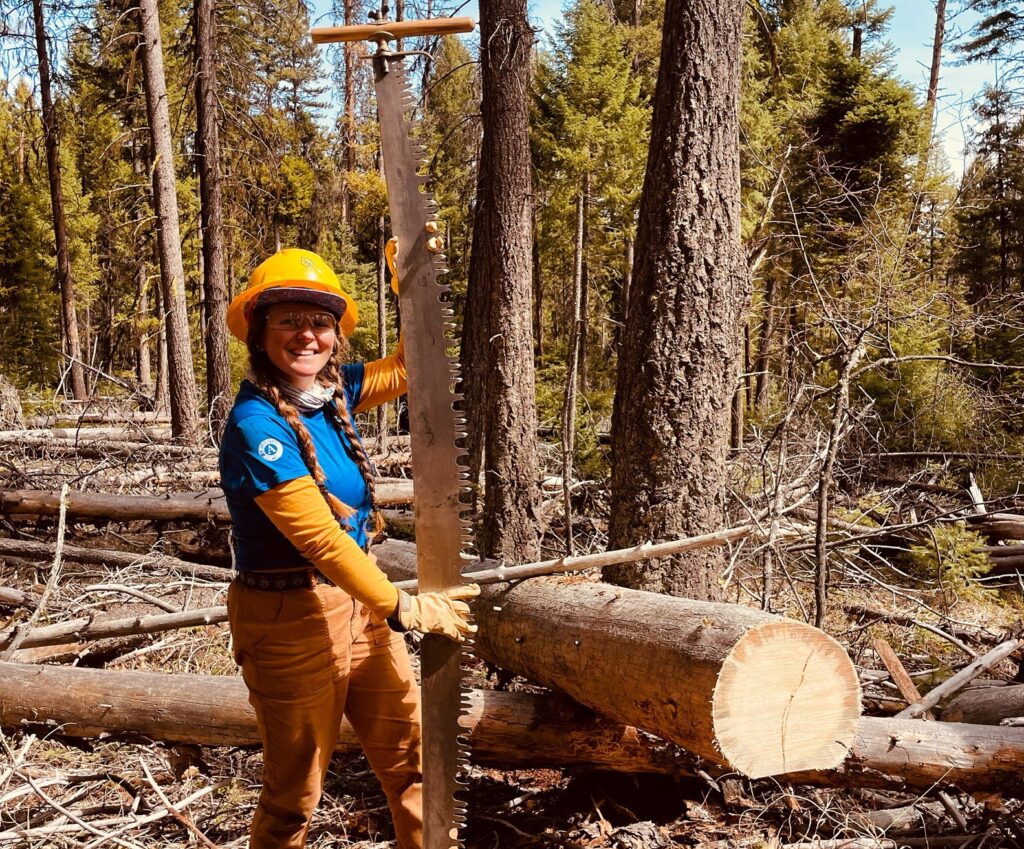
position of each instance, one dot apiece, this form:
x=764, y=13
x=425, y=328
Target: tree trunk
x=678, y=365
x=520, y=730
x=538, y=293
x=218, y=367
x=500, y=372
x=582, y=328
x=572, y=367
x=65, y=282
x=162, y=398
x=182, y=381
x=764, y=338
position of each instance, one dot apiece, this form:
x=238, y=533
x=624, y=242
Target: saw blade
x=435, y=430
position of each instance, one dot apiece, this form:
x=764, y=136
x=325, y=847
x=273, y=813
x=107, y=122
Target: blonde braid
x=332, y=371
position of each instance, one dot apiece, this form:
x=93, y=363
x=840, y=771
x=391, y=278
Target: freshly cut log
x=758, y=693
x=986, y=705
x=913, y=755
x=189, y=506
x=517, y=730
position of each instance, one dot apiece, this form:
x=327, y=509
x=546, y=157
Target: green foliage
x=589, y=126
x=923, y=402
x=953, y=555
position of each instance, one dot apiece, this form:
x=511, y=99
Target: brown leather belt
x=295, y=579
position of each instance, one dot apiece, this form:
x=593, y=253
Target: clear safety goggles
x=318, y=322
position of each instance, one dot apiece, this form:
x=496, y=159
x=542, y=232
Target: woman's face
x=299, y=340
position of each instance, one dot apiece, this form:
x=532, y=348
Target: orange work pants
x=308, y=656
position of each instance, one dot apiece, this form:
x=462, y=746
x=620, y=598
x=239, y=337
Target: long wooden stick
x=391, y=30
x=962, y=678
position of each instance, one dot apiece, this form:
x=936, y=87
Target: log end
x=787, y=699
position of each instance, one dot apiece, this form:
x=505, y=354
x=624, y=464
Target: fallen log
x=513, y=730
x=143, y=452
x=758, y=693
x=999, y=526
x=518, y=730
x=151, y=433
x=30, y=549
x=112, y=418
x=209, y=506
x=84, y=629
x=986, y=705
x=958, y=681
x=908, y=754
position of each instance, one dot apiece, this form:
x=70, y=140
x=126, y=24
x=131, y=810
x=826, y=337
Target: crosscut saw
x=434, y=424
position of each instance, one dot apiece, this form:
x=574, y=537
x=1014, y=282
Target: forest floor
x=57, y=790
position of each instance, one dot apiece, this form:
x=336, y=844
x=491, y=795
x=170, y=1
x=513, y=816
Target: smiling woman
x=315, y=624
x=299, y=340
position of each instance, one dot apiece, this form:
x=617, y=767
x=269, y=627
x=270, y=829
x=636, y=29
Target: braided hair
x=266, y=378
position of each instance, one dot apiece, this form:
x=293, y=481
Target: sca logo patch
x=270, y=450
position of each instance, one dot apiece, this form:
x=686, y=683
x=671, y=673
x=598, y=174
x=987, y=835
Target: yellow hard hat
x=292, y=275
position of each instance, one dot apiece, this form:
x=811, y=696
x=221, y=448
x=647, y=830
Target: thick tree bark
x=182, y=381
x=499, y=351
x=215, y=335
x=65, y=281
x=678, y=364
x=520, y=730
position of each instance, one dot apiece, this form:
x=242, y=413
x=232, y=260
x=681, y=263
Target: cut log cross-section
x=758, y=693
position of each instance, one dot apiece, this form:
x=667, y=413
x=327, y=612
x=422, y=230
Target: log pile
x=641, y=683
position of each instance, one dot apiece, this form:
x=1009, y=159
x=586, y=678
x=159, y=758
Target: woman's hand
x=442, y=612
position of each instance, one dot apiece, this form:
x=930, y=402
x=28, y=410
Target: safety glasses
x=318, y=322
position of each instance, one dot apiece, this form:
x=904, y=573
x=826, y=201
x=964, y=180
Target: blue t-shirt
x=260, y=451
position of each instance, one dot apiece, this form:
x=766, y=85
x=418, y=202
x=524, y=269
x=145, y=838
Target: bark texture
x=756, y=692
x=505, y=729
x=498, y=345
x=65, y=282
x=679, y=359
x=211, y=213
x=181, y=381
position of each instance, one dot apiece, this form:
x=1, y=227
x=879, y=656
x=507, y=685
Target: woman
x=314, y=622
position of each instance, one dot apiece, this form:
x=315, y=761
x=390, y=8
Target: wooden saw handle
x=393, y=29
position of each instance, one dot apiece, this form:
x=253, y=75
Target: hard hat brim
x=334, y=304
x=241, y=308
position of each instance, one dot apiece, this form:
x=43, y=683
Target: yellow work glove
x=390, y=252
x=443, y=612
